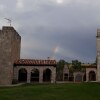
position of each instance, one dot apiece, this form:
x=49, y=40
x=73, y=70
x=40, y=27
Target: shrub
x=14, y=81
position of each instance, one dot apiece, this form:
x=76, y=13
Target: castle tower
x=98, y=55
x=9, y=52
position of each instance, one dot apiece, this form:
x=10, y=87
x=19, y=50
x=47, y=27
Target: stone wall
x=9, y=52
x=98, y=55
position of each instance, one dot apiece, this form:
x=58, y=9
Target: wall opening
x=78, y=78
x=35, y=75
x=22, y=75
x=47, y=75
x=65, y=77
x=92, y=76
x=84, y=77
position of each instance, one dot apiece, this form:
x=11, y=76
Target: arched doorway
x=92, y=76
x=35, y=75
x=84, y=77
x=22, y=75
x=47, y=75
x=78, y=78
x=65, y=77
x=71, y=77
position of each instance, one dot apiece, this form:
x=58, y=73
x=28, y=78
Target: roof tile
x=34, y=62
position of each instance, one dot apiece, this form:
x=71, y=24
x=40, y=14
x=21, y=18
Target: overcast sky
x=60, y=29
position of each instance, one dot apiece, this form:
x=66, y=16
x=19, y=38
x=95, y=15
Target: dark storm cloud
x=64, y=30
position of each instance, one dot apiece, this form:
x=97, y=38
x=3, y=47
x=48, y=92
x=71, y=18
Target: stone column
x=41, y=75
x=28, y=76
x=74, y=78
x=17, y=74
x=98, y=68
x=52, y=80
x=82, y=77
x=96, y=76
x=87, y=76
x=63, y=76
x=53, y=75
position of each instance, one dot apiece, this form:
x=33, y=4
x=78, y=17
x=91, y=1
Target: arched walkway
x=47, y=75
x=35, y=75
x=22, y=75
x=92, y=76
x=78, y=78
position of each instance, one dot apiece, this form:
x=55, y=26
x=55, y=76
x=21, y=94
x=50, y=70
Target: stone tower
x=9, y=52
x=98, y=55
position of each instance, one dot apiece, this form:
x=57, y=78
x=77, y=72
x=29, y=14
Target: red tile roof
x=35, y=62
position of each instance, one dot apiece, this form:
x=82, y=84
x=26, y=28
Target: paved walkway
x=12, y=85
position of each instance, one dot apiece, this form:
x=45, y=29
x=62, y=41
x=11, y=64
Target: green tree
x=76, y=65
x=60, y=66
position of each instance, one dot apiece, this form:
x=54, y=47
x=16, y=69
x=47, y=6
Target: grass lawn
x=68, y=91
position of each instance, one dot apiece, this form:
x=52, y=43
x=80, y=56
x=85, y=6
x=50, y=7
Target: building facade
x=32, y=70
x=22, y=70
x=88, y=74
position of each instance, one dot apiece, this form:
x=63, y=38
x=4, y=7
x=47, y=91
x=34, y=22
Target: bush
x=14, y=81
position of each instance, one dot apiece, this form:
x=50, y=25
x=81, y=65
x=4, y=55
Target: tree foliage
x=60, y=66
x=76, y=65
